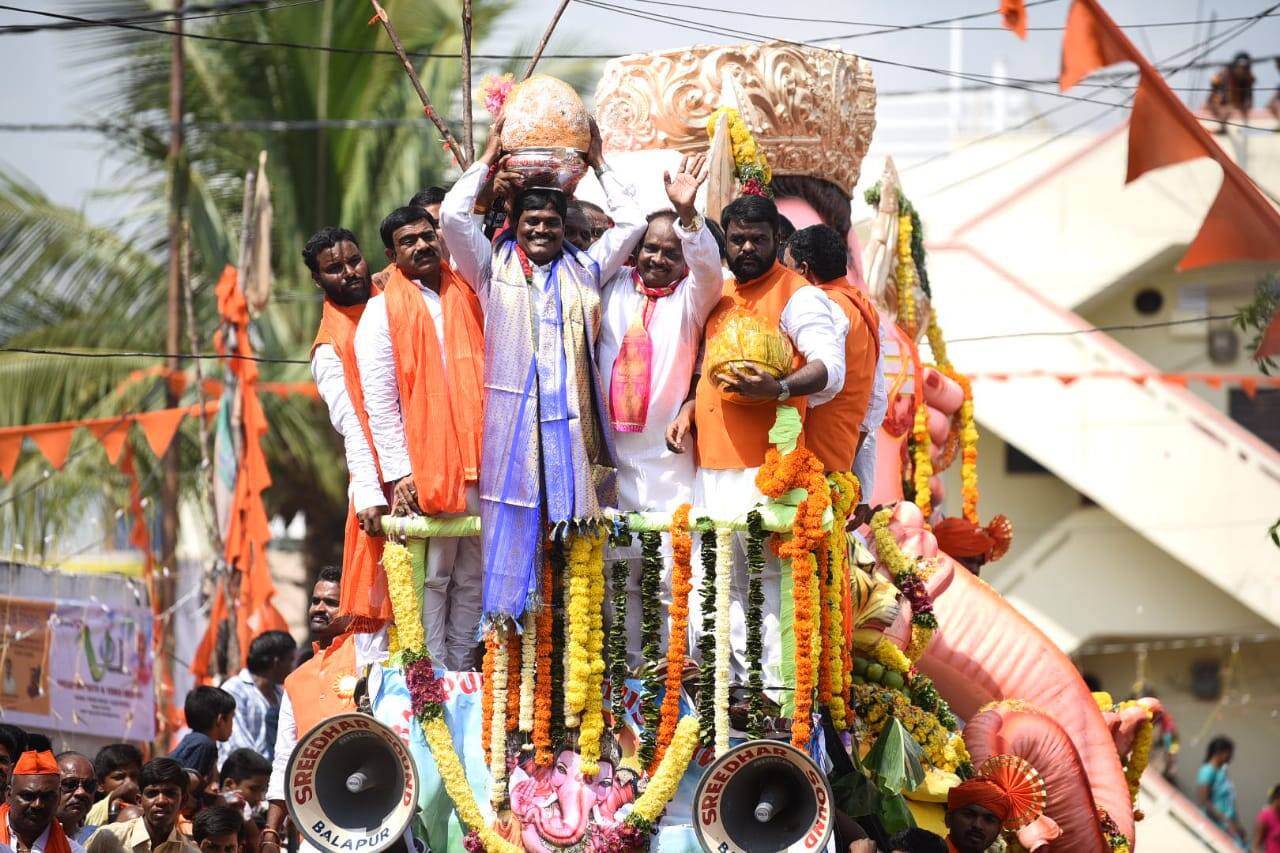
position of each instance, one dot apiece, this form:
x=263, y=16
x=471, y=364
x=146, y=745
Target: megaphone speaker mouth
x=762, y=797
x=353, y=786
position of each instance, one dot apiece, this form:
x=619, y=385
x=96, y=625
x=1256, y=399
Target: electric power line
x=216, y=10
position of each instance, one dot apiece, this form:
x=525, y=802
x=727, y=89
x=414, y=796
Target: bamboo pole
x=546, y=37
x=774, y=517
x=468, y=119
x=430, y=111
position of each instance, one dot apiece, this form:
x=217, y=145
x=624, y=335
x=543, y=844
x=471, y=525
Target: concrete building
x=1140, y=506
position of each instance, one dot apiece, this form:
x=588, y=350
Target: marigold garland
x=1138, y=757
x=968, y=425
x=498, y=727
x=922, y=464
x=543, y=756
x=750, y=166
x=650, y=640
x=662, y=786
x=486, y=694
x=846, y=492
x=942, y=748
x=678, y=633
x=398, y=564
x=528, y=676
x=707, y=639
x=724, y=574
x=514, y=661
x=906, y=277
x=800, y=469
x=449, y=766
x=906, y=577
x=618, y=671
x=823, y=556
x=592, y=728
x=756, y=536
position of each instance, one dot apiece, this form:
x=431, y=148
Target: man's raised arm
x=463, y=230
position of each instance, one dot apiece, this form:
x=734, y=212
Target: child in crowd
x=117, y=766
x=219, y=829
x=211, y=713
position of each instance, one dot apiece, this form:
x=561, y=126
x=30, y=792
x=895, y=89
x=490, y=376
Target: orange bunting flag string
x=1014, y=13
x=1241, y=224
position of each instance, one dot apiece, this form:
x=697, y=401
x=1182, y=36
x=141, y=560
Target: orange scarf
x=441, y=396
x=57, y=842
x=364, y=584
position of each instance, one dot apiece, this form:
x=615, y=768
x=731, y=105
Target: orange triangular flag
x=1158, y=134
x=54, y=443
x=1014, y=13
x=1212, y=380
x=1235, y=228
x=10, y=450
x=1250, y=387
x=1090, y=42
x=112, y=436
x=160, y=427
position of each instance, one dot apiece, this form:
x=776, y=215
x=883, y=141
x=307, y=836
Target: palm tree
x=70, y=284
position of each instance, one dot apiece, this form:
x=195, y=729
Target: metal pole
x=169, y=488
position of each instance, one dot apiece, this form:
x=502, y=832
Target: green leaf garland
x=620, y=538
x=707, y=640
x=650, y=639
x=755, y=617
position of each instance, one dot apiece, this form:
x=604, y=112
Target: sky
x=45, y=84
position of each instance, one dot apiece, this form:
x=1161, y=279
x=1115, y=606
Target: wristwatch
x=784, y=393
x=602, y=168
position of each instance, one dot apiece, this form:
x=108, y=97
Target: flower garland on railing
x=543, y=756
x=514, y=686
x=681, y=585
x=618, y=671
x=800, y=469
x=707, y=639
x=823, y=556
x=486, y=695
x=528, y=674
x=427, y=696
x=724, y=574
x=650, y=640
x=498, y=728
x=756, y=536
x=906, y=577
x=749, y=164
x=968, y=426
x=585, y=645
x=558, y=645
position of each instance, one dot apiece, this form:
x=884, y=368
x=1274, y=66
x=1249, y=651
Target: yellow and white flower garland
x=498, y=729
x=528, y=662
x=584, y=646
x=662, y=785
x=724, y=572
x=906, y=277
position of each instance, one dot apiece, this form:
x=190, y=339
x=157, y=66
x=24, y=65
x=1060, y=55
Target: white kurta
x=649, y=475
x=864, y=464
x=451, y=598
x=365, y=489
x=817, y=327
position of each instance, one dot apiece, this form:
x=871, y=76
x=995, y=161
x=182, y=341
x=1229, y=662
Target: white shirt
x=472, y=252
x=43, y=841
x=286, y=740
x=817, y=328
x=649, y=475
x=864, y=465
x=365, y=489
x=377, y=363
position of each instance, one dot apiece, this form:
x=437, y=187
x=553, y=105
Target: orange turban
x=32, y=763
x=963, y=539
x=1008, y=787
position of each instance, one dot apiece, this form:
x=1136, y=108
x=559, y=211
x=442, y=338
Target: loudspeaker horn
x=352, y=785
x=762, y=797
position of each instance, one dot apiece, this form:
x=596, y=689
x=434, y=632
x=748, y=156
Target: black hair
x=115, y=756
x=267, y=648
x=330, y=574
x=1220, y=743
x=540, y=198
x=717, y=234
x=590, y=205
x=1242, y=56
x=243, y=763
x=12, y=739
x=821, y=248
x=326, y=238
x=1274, y=794
x=158, y=771
x=785, y=229
x=575, y=205
x=916, y=840
x=216, y=821
x=38, y=742
x=827, y=200
x=399, y=218
x=669, y=215
x=428, y=197
x=750, y=208
x=204, y=705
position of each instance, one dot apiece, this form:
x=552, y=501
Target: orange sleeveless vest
x=313, y=687
x=832, y=429
x=734, y=436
